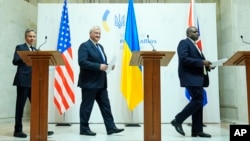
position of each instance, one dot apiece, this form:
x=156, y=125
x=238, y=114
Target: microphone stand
x=151, y=43
x=243, y=40
x=42, y=43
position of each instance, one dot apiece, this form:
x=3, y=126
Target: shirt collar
x=192, y=40
x=93, y=42
x=28, y=45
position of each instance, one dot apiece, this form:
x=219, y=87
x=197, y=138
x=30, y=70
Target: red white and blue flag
x=194, y=21
x=64, y=96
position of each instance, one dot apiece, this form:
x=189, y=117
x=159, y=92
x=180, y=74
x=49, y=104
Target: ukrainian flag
x=131, y=76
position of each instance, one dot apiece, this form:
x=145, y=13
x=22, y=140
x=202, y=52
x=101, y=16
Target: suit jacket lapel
x=95, y=51
x=194, y=47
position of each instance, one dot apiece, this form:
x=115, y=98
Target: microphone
x=42, y=43
x=151, y=43
x=243, y=40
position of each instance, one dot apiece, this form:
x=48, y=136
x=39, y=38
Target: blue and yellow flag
x=131, y=77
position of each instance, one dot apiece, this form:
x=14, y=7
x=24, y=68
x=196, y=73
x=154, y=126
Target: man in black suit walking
x=92, y=61
x=193, y=74
x=22, y=81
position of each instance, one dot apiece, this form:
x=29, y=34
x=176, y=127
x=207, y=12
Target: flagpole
x=64, y=122
x=132, y=123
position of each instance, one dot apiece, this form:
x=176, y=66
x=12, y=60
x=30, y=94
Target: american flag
x=64, y=96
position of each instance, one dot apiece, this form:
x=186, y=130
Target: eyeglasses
x=195, y=32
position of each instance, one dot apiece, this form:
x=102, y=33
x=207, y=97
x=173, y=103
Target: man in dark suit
x=193, y=74
x=22, y=81
x=92, y=61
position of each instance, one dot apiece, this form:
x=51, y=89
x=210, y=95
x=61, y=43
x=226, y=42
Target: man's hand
x=103, y=67
x=206, y=63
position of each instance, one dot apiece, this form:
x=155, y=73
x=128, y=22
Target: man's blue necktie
x=100, y=52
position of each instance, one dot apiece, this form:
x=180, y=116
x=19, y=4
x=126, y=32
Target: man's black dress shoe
x=88, y=133
x=114, y=130
x=201, y=134
x=20, y=134
x=178, y=127
x=50, y=133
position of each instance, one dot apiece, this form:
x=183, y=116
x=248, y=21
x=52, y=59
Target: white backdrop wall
x=164, y=23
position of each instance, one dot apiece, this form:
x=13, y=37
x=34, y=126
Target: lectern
x=40, y=62
x=242, y=58
x=151, y=62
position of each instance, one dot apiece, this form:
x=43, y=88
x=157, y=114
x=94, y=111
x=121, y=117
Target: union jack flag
x=193, y=21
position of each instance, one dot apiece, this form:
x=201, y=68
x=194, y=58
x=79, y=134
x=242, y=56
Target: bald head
x=192, y=32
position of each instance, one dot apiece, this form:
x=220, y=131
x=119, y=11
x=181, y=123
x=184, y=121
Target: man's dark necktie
x=100, y=52
x=32, y=48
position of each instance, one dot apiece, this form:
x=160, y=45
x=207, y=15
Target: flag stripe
x=66, y=85
x=131, y=77
x=59, y=89
x=193, y=21
x=190, y=17
x=68, y=66
x=64, y=96
x=58, y=106
x=131, y=91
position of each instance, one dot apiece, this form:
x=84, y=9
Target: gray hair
x=94, y=28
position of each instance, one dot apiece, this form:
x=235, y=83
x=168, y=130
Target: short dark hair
x=28, y=30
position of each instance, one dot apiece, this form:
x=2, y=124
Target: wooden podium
x=152, y=60
x=242, y=58
x=40, y=62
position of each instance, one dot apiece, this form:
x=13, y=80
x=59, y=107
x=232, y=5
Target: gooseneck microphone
x=151, y=43
x=42, y=43
x=243, y=40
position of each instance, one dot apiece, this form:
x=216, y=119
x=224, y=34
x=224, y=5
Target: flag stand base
x=132, y=125
x=190, y=124
x=63, y=124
